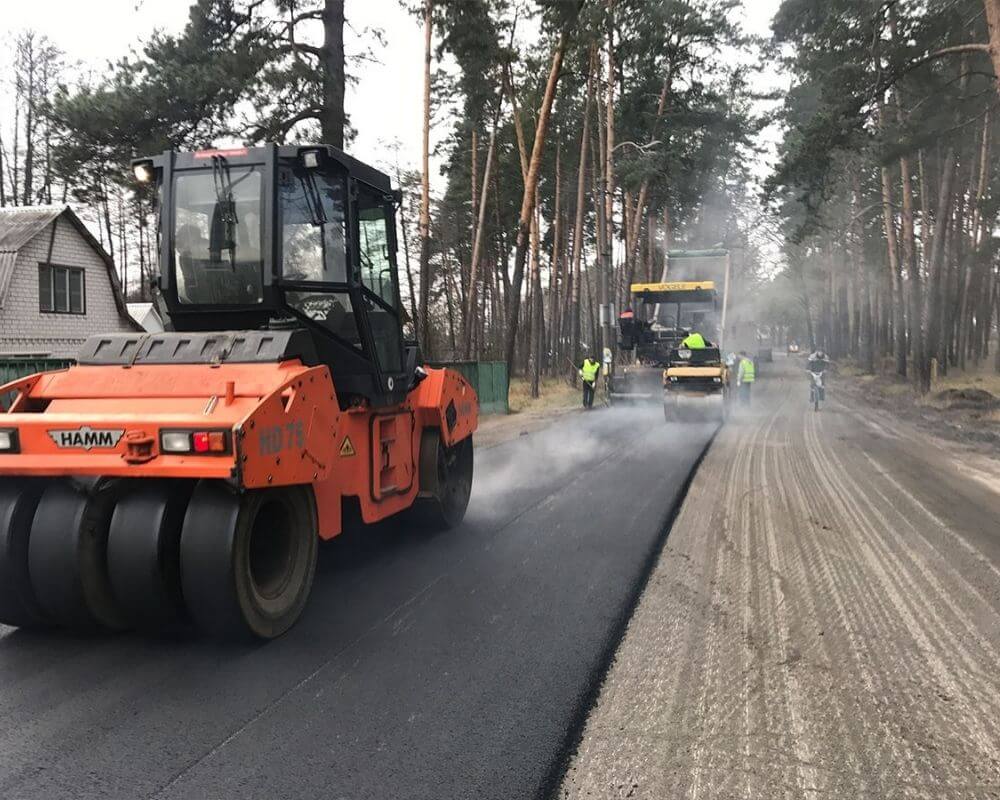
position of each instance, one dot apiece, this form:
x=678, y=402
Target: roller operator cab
x=190, y=475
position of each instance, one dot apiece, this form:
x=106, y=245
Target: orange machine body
x=282, y=425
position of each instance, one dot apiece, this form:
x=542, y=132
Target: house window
x=61, y=290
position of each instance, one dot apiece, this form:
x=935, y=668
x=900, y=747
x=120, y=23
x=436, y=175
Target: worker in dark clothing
x=588, y=374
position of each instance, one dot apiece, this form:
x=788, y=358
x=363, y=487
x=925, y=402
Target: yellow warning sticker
x=347, y=449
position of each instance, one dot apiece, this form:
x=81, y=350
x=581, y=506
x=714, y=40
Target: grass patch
x=554, y=393
x=850, y=370
x=896, y=390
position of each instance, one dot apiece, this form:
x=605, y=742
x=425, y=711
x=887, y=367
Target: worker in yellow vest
x=745, y=377
x=588, y=374
x=694, y=341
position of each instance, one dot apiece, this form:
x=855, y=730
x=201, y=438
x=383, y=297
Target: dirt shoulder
x=823, y=621
x=963, y=407
x=496, y=429
x=557, y=399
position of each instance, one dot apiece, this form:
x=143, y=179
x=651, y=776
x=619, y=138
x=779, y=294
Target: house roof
x=139, y=310
x=18, y=226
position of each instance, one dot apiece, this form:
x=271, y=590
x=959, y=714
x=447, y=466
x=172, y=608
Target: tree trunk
x=28, y=53
x=537, y=307
x=899, y=306
x=3, y=181
x=555, y=261
x=477, y=246
x=607, y=336
x=332, y=121
x=528, y=199
x=909, y=258
x=993, y=24
x=449, y=305
x=581, y=199
x=866, y=350
x=423, y=327
x=935, y=287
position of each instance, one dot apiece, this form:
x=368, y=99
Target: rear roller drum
x=248, y=561
x=67, y=555
x=144, y=553
x=445, y=481
x=18, y=604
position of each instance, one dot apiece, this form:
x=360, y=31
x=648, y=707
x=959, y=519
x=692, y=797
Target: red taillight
x=186, y=441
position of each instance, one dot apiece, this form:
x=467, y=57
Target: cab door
x=376, y=280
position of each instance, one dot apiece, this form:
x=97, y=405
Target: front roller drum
x=18, y=604
x=67, y=555
x=144, y=553
x=445, y=482
x=248, y=560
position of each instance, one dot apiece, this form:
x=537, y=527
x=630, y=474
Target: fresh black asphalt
x=453, y=665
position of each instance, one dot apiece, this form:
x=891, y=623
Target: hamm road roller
x=190, y=475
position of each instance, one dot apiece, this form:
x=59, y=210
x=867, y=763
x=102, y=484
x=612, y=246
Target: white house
x=57, y=284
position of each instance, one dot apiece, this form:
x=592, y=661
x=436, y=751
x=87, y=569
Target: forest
x=581, y=140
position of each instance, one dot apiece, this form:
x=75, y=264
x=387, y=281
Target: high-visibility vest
x=590, y=370
x=749, y=371
x=694, y=341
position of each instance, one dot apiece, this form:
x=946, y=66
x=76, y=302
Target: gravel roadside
x=823, y=621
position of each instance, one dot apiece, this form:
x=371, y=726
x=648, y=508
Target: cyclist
x=817, y=364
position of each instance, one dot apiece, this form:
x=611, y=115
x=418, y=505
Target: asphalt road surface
x=824, y=621
x=446, y=666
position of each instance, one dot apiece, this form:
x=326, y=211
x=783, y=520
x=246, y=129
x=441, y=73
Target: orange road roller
x=189, y=475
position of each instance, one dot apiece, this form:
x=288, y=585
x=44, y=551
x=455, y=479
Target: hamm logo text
x=87, y=438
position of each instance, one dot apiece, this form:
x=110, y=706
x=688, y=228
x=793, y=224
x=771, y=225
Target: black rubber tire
x=67, y=556
x=18, y=605
x=248, y=561
x=144, y=541
x=445, y=482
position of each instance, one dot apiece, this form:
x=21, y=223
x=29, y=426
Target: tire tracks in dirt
x=811, y=629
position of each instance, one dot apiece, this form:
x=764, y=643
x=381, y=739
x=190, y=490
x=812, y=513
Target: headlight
x=717, y=380
x=8, y=440
x=144, y=171
x=684, y=354
x=311, y=159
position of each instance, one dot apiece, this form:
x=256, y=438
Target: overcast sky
x=384, y=106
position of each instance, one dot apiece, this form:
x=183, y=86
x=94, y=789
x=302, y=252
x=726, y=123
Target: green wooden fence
x=488, y=378
x=13, y=368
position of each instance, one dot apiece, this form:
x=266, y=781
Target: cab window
x=312, y=226
x=377, y=274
